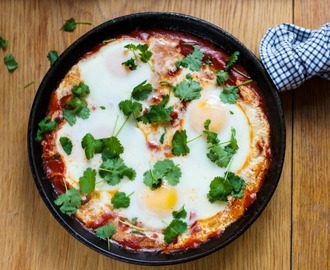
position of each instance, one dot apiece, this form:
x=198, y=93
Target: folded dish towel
x=292, y=54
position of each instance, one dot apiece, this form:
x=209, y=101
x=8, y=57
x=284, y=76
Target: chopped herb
x=102, y=107
x=91, y=145
x=175, y=228
x=28, y=84
x=144, y=53
x=182, y=213
x=3, y=43
x=87, y=181
x=80, y=90
x=141, y=91
x=188, y=90
x=112, y=148
x=162, y=137
x=71, y=24
x=192, y=61
x=66, y=145
x=222, y=187
x=10, y=62
x=130, y=63
x=120, y=200
x=222, y=76
x=113, y=170
x=69, y=201
x=106, y=232
x=157, y=113
x=232, y=60
x=179, y=143
x=45, y=125
x=52, y=56
x=230, y=94
x=162, y=169
x=129, y=107
x=134, y=220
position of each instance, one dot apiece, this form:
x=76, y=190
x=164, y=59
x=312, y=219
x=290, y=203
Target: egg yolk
x=211, y=109
x=159, y=202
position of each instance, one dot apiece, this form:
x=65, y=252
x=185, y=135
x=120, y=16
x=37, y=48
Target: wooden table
x=293, y=231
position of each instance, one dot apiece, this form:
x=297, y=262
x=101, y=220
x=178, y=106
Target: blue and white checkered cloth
x=292, y=54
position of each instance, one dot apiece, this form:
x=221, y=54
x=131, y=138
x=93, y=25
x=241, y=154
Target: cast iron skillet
x=171, y=21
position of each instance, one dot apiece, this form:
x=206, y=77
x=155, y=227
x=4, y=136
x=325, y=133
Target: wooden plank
x=311, y=155
x=32, y=237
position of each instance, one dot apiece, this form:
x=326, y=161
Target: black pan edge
x=169, y=21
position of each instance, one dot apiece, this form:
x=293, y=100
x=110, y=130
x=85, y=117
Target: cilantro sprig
x=181, y=213
x=71, y=24
x=10, y=62
x=69, y=201
x=192, y=61
x=52, y=56
x=45, y=125
x=188, y=90
x=230, y=94
x=77, y=105
x=141, y=52
x=141, y=91
x=66, y=144
x=222, y=187
x=219, y=154
x=106, y=232
x=3, y=43
x=163, y=169
x=222, y=75
x=121, y=200
x=176, y=227
x=87, y=181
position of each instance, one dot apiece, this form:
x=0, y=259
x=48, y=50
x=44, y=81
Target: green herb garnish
x=66, y=145
x=87, y=181
x=52, y=56
x=71, y=24
x=69, y=201
x=3, y=43
x=175, y=228
x=179, y=143
x=182, y=213
x=120, y=200
x=10, y=62
x=45, y=125
x=192, y=61
x=106, y=232
x=141, y=91
x=188, y=90
x=230, y=94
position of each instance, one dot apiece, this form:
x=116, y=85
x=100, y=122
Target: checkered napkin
x=292, y=54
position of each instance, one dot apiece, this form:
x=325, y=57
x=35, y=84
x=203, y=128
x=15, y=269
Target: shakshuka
x=156, y=140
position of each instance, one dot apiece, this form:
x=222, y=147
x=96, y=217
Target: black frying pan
x=169, y=21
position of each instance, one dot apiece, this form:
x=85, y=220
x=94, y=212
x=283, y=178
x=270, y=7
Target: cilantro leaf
x=179, y=143
x=3, y=43
x=169, y=170
x=220, y=188
x=113, y=170
x=45, y=126
x=182, y=213
x=145, y=55
x=188, y=90
x=220, y=156
x=162, y=137
x=69, y=201
x=91, y=145
x=156, y=113
x=83, y=112
x=120, y=200
x=175, y=228
x=232, y=60
x=152, y=179
x=192, y=61
x=112, y=148
x=52, y=56
x=10, y=62
x=87, y=181
x=66, y=144
x=141, y=91
x=229, y=94
x=69, y=116
x=130, y=63
x=80, y=90
x=71, y=24
x=129, y=107
x=222, y=76
x=237, y=183
x=106, y=232
x=233, y=140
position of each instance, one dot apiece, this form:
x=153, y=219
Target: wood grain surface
x=292, y=232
